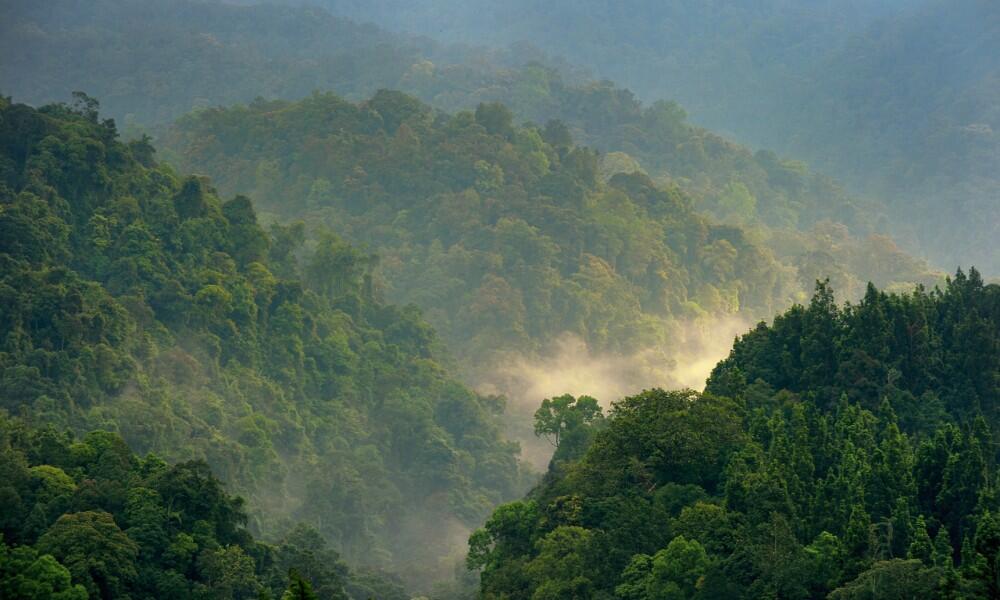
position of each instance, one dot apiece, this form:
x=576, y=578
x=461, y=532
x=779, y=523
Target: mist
x=570, y=366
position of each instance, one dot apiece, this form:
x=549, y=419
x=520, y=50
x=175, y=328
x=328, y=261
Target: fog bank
x=571, y=366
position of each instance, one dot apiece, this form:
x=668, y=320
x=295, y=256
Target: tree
x=298, y=588
x=396, y=108
x=97, y=553
x=921, y=548
x=191, y=201
x=500, y=547
x=674, y=573
x=895, y=579
x=557, y=134
x=564, y=415
x=507, y=533
x=495, y=118
x=780, y=566
x=307, y=556
x=230, y=573
x=987, y=545
x=562, y=568
x=26, y=575
x=826, y=554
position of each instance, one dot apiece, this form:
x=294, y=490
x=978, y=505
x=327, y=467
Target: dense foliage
x=506, y=235
x=895, y=97
x=135, y=300
x=220, y=54
x=841, y=452
x=779, y=192
x=88, y=518
x=195, y=54
x=805, y=218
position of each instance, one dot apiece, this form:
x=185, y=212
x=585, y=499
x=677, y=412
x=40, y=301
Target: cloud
x=570, y=366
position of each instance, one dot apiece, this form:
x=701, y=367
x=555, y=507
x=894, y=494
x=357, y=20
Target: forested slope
x=840, y=452
x=510, y=235
x=909, y=111
x=198, y=54
x=727, y=180
x=190, y=55
x=135, y=300
x=898, y=98
x=87, y=518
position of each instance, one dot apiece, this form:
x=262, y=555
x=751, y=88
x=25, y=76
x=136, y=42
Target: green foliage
x=123, y=526
x=25, y=574
x=506, y=236
x=857, y=462
x=310, y=561
x=674, y=573
x=892, y=579
x=896, y=354
x=106, y=547
x=242, y=53
x=866, y=90
x=439, y=201
x=298, y=588
x=96, y=552
x=569, y=424
x=560, y=569
x=136, y=301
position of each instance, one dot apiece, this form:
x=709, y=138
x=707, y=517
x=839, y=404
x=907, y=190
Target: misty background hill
x=898, y=98
x=895, y=99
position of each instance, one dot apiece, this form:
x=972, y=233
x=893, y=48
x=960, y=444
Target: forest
x=896, y=98
x=506, y=234
x=839, y=452
x=342, y=300
x=194, y=55
x=88, y=518
x=136, y=301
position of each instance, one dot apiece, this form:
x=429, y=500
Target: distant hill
x=897, y=98
x=150, y=62
x=153, y=61
x=508, y=236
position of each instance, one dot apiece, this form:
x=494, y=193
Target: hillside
x=509, y=236
x=782, y=193
x=897, y=98
x=837, y=451
x=191, y=55
x=87, y=518
x=455, y=299
x=724, y=59
x=926, y=137
x=137, y=301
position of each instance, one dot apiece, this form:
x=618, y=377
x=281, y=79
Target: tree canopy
x=136, y=300
x=840, y=452
x=508, y=235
